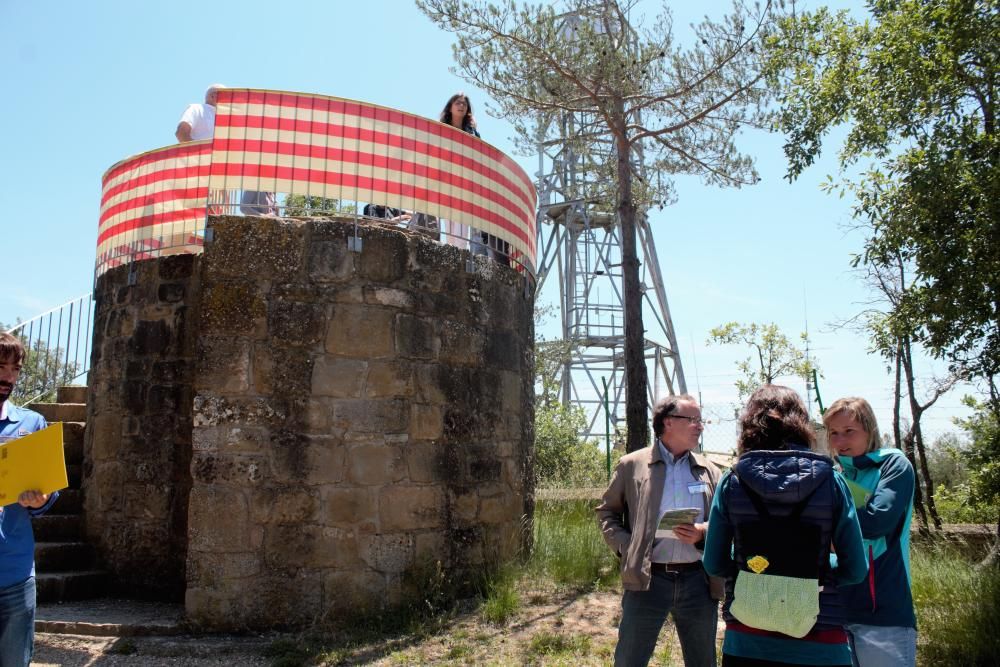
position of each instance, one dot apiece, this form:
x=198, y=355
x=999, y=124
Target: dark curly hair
x=774, y=416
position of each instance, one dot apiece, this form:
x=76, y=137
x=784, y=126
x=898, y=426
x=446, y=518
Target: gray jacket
x=634, y=497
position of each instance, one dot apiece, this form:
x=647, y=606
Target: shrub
x=562, y=459
x=958, y=505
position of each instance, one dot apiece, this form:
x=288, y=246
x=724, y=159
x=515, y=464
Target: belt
x=675, y=567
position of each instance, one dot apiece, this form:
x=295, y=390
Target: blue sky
x=87, y=84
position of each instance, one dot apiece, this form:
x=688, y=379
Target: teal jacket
x=884, y=598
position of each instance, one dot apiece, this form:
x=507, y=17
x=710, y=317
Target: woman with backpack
x=881, y=623
x=784, y=534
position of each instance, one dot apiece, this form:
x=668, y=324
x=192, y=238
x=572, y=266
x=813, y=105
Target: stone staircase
x=65, y=566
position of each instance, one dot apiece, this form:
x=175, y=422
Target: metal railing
x=57, y=343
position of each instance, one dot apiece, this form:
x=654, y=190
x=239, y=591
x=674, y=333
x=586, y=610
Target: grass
x=501, y=601
x=554, y=644
x=958, y=608
x=289, y=652
x=458, y=651
x=568, y=547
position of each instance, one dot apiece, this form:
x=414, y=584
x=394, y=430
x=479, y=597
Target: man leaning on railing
x=198, y=120
x=197, y=123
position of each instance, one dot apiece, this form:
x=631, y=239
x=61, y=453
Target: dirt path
x=550, y=628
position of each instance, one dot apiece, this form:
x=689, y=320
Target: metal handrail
x=55, y=358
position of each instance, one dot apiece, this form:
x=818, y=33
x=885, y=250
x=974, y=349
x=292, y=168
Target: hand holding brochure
x=673, y=518
x=32, y=462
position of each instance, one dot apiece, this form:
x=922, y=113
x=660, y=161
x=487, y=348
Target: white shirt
x=201, y=118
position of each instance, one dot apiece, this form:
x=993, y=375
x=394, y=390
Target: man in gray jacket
x=661, y=566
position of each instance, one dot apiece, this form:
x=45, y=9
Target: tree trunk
x=636, y=405
x=916, y=413
x=925, y=474
x=918, y=496
x=906, y=442
x=896, y=430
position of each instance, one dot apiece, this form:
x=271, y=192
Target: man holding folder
x=17, y=541
x=654, y=515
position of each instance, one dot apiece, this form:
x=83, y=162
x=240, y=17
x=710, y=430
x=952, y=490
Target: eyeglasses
x=691, y=420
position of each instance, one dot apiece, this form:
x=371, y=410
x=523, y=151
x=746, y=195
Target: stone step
x=74, y=473
x=70, y=502
x=71, y=394
x=61, y=412
x=73, y=441
x=106, y=617
x=59, y=586
x=63, y=557
x=73, y=432
x=57, y=527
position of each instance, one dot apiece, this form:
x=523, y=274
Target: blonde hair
x=861, y=411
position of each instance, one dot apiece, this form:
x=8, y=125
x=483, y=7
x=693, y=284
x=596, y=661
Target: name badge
x=698, y=487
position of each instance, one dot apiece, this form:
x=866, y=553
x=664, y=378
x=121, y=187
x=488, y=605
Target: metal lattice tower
x=579, y=239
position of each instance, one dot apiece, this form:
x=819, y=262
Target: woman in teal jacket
x=881, y=622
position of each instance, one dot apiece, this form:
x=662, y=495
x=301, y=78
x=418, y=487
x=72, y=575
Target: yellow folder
x=33, y=462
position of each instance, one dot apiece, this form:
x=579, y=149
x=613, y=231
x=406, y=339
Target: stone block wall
x=137, y=446
x=357, y=415
x=354, y=418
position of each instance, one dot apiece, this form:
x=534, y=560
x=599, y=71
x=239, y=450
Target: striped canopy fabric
x=153, y=202
x=317, y=146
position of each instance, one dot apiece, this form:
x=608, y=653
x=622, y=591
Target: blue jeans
x=878, y=646
x=685, y=596
x=17, y=624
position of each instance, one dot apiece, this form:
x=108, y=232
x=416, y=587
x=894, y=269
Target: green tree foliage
x=918, y=84
x=306, y=206
x=949, y=464
x=44, y=369
x=562, y=458
x=550, y=357
x=983, y=454
x=946, y=460
x=645, y=105
x=772, y=354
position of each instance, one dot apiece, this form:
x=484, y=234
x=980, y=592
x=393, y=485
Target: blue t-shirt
x=17, y=541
